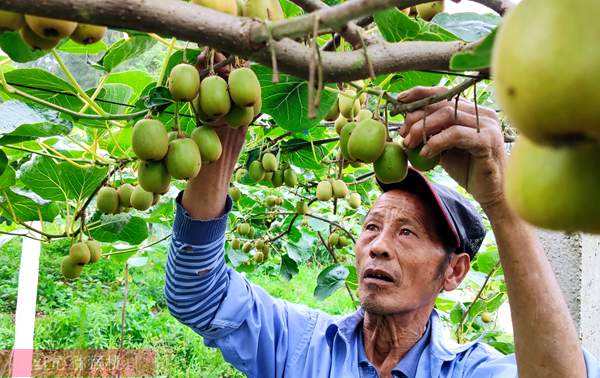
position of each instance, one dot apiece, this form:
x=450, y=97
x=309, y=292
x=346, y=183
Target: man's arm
x=473, y=154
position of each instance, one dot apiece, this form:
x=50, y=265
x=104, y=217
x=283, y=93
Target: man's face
x=398, y=257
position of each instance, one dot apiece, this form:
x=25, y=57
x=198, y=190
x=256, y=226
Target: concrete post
x=575, y=259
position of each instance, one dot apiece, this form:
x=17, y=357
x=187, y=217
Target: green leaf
x=8, y=178
x=409, y=79
x=158, y=99
x=137, y=262
x=478, y=59
x=290, y=9
x=289, y=268
x=125, y=50
x=3, y=162
x=137, y=80
x=329, y=280
x=26, y=206
x=42, y=84
x=120, y=227
x=395, y=26
x=487, y=260
x=468, y=26
x=17, y=50
x=61, y=181
x=287, y=101
x=20, y=122
x=75, y=48
x=236, y=257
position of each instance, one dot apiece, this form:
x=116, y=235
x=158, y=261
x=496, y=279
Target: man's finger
x=439, y=121
x=416, y=116
x=418, y=93
x=457, y=136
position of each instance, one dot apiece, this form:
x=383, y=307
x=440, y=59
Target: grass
x=87, y=313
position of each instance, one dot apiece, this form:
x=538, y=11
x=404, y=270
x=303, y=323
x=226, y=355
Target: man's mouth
x=377, y=276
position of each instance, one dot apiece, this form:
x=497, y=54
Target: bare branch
x=234, y=34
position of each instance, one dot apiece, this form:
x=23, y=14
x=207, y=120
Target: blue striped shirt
x=266, y=337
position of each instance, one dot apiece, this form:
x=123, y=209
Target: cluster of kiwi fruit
x=111, y=200
x=80, y=254
x=43, y=33
x=337, y=241
x=330, y=189
x=426, y=10
x=364, y=139
x=263, y=9
x=260, y=246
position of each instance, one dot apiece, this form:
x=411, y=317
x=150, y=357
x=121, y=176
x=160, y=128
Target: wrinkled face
x=398, y=256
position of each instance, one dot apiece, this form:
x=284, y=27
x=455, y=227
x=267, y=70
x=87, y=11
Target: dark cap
x=461, y=218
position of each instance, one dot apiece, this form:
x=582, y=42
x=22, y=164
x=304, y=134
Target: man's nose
x=381, y=247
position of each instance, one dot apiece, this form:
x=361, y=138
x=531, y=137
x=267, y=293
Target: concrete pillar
x=575, y=259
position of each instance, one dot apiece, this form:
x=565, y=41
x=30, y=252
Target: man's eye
x=371, y=227
x=406, y=232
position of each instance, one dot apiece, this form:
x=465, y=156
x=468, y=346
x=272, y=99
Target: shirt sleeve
x=256, y=333
x=487, y=362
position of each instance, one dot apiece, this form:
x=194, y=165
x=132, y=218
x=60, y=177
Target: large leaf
x=20, y=122
x=75, y=48
x=478, y=59
x=125, y=50
x=289, y=268
x=395, y=26
x=17, y=50
x=137, y=80
x=119, y=227
x=42, y=84
x=401, y=81
x=287, y=101
x=26, y=206
x=468, y=26
x=8, y=178
x=61, y=181
x=329, y=280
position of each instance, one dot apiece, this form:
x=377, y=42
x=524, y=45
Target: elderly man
x=417, y=240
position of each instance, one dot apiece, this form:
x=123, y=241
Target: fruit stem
x=75, y=84
x=163, y=70
x=63, y=157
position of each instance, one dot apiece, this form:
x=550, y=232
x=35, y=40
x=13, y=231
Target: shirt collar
x=441, y=347
x=408, y=364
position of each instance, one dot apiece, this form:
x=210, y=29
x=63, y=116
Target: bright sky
x=468, y=6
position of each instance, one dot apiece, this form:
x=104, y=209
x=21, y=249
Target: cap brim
x=415, y=182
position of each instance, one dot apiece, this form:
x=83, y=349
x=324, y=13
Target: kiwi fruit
x=244, y=87
x=239, y=117
x=271, y=201
x=349, y=104
x=256, y=171
x=364, y=114
x=236, y=243
x=243, y=228
x=269, y=162
x=333, y=239
x=155, y=198
x=240, y=174
x=36, y=42
x=141, y=199
x=301, y=207
x=79, y=253
x=367, y=141
x=11, y=20
x=340, y=189
x=324, y=191
x=95, y=250
x=277, y=179
x=264, y=9
x=214, y=97
x=69, y=269
x=184, y=82
x=419, y=162
x=334, y=112
x=124, y=193
x=392, y=166
x=183, y=159
x=344, y=138
x=86, y=34
x=340, y=122
x=247, y=247
x=235, y=194
x=154, y=177
x=208, y=143
x=150, y=140
x=354, y=200
x=290, y=178
x=107, y=200
x=259, y=257
x=50, y=28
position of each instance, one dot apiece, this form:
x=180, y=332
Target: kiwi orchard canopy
x=100, y=158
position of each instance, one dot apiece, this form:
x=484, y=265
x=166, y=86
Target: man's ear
x=456, y=271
